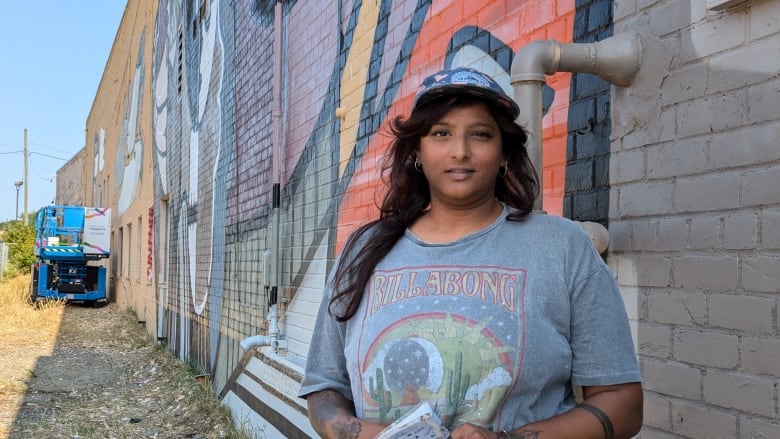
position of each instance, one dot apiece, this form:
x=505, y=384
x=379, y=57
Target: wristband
x=606, y=424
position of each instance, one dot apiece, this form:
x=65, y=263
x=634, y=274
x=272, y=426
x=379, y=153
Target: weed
x=81, y=430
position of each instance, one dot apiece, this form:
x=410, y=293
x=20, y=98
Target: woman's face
x=461, y=156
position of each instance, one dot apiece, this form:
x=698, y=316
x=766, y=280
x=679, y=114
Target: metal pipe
x=615, y=59
x=276, y=113
x=256, y=341
x=271, y=269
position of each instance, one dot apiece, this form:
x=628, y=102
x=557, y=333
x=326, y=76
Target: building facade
x=117, y=168
x=238, y=143
x=70, y=184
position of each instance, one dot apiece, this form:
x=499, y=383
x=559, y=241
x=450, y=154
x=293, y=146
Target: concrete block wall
x=695, y=172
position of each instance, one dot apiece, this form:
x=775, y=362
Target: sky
x=52, y=56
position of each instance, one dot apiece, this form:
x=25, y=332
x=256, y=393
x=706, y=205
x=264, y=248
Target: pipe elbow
x=615, y=59
x=256, y=341
x=598, y=234
x=535, y=60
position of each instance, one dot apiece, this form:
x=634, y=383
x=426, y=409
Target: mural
x=99, y=148
x=130, y=151
x=348, y=69
x=191, y=166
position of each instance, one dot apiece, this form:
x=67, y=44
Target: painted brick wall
x=347, y=67
x=693, y=209
x=694, y=214
x=683, y=165
x=587, y=151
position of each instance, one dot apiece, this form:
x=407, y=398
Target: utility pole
x=26, y=182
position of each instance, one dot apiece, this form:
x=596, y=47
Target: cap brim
x=434, y=93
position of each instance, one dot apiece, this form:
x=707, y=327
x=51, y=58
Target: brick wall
x=70, y=180
x=587, y=151
x=117, y=158
x=682, y=165
x=695, y=172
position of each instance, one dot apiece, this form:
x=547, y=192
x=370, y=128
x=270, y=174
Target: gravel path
x=103, y=377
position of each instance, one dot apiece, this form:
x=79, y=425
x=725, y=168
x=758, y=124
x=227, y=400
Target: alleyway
x=98, y=374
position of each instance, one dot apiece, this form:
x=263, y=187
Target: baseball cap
x=463, y=80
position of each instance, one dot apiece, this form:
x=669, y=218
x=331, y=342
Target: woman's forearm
x=333, y=416
x=608, y=412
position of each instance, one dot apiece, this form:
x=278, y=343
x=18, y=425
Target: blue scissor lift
x=66, y=265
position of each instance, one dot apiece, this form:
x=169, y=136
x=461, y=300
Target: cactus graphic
x=382, y=397
x=457, y=385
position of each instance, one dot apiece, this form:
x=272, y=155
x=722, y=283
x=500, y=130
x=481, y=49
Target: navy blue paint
x=586, y=192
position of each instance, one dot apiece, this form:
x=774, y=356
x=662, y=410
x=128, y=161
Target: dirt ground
x=101, y=376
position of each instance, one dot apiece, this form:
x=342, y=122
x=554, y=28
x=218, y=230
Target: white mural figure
x=472, y=56
x=161, y=114
x=210, y=70
x=99, y=148
x=131, y=146
x=100, y=153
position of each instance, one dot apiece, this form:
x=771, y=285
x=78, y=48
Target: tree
x=20, y=238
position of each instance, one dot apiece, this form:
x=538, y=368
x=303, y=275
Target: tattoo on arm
x=347, y=430
x=329, y=406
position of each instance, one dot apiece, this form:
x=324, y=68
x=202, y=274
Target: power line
x=50, y=156
x=35, y=153
x=48, y=147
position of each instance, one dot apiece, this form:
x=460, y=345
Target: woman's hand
x=471, y=431
x=333, y=416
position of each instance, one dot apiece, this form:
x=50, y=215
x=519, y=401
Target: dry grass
x=20, y=344
x=70, y=371
x=17, y=312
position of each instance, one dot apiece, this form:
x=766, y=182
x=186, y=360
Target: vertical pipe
x=531, y=64
x=616, y=59
x=276, y=110
x=276, y=150
x=530, y=93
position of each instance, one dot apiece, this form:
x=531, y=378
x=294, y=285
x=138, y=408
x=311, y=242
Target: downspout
x=615, y=59
x=274, y=339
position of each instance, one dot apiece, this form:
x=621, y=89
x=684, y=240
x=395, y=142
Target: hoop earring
x=417, y=166
x=502, y=170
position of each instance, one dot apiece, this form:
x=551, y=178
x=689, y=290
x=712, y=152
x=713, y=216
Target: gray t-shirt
x=491, y=329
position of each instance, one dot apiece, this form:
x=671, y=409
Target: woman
x=460, y=296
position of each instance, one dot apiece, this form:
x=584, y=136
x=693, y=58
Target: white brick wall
x=700, y=421
x=695, y=214
x=739, y=391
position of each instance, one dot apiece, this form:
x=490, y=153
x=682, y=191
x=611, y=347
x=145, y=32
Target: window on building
x=120, y=251
x=129, y=250
x=138, y=249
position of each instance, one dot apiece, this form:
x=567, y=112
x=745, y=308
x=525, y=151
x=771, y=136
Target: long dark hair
x=408, y=194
